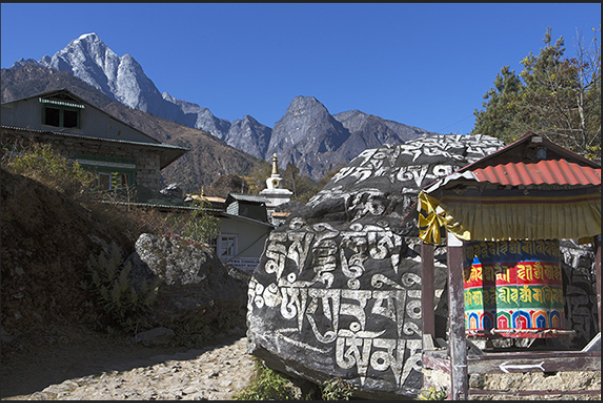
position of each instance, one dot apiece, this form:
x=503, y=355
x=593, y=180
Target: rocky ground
x=102, y=368
x=95, y=367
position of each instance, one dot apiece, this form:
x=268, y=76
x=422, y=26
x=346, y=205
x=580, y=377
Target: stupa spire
x=274, y=165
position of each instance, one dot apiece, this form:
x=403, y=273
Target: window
x=104, y=181
x=115, y=180
x=111, y=172
x=71, y=118
x=52, y=116
x=61, y=116
x=227, y=246
x=61, y=112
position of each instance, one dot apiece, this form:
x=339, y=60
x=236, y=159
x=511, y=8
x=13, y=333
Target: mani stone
x=337, y=292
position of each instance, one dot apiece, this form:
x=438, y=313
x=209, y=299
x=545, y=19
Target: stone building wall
x=148, y=168
x=148, y=172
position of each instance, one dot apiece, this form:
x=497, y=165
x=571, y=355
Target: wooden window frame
x=110, y=174
x=62, y=109
x=219, y=246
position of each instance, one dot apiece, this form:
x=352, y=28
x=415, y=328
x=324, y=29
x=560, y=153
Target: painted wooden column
x=457, y=343
x=427, y=296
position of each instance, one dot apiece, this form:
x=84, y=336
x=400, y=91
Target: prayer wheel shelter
x=501, y=219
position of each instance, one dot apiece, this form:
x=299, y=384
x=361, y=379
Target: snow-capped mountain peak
x=307, y=135
x=90, y=36
x=89, y=59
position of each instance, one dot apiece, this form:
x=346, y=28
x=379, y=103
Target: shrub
x=45, y=164
x=267, y=384
x=198, y=226
x=271, y=385
x=432, y=394
x=128, y=221
x=120, y=305
x=336, y=389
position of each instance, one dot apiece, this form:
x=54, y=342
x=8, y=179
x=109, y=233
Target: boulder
x=337, y=292
x=579, y=278
x=195, y=288
x=160, y=336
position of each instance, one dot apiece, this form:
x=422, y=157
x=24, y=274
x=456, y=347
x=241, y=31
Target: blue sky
x=425, y=64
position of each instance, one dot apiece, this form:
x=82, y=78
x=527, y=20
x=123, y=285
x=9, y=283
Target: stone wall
x=515, y=385
x=147, y=163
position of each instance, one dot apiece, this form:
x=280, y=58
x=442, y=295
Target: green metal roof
x=144, y=196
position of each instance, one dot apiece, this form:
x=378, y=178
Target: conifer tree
x=554, y=96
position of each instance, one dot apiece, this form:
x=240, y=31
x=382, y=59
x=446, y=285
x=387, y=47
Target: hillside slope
x=46, y=241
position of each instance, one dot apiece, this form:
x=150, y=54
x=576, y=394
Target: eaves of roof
x=81, y=136
x=549, y=172
x=247, y=219
x=545, y=172
x=183, y=209
x=246, y=197
x=281, y=214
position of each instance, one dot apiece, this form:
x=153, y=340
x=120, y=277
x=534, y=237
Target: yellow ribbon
x=432, y=217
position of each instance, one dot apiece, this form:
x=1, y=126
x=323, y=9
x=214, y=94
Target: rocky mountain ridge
x=324, y=141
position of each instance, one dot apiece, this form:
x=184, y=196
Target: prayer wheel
x=513, y=288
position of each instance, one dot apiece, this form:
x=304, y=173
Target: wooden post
x=427, y=295
x=457, y=343
x=598, y=273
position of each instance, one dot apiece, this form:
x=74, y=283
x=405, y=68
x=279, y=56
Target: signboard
x=247, y=264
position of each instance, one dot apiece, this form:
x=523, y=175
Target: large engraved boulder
x=337, y=293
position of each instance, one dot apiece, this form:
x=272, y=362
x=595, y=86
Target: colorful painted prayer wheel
x=513, y=288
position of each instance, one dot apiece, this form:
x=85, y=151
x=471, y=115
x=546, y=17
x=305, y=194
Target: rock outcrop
x=249, y=135
x=195, y=289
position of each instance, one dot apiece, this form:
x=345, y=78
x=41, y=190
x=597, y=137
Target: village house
x=244, y=229
x=118, y=153
x=122, y=156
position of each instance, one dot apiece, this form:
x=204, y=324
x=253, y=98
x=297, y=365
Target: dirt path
x=101, y=368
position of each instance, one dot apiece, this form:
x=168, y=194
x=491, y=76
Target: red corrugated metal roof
x=558, y=172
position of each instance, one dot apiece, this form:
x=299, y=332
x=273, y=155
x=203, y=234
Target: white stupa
x=275, y=191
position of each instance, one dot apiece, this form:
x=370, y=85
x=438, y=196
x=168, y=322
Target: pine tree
x=502, y=109
x=554, y=96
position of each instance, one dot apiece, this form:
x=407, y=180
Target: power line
x=455, y=123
